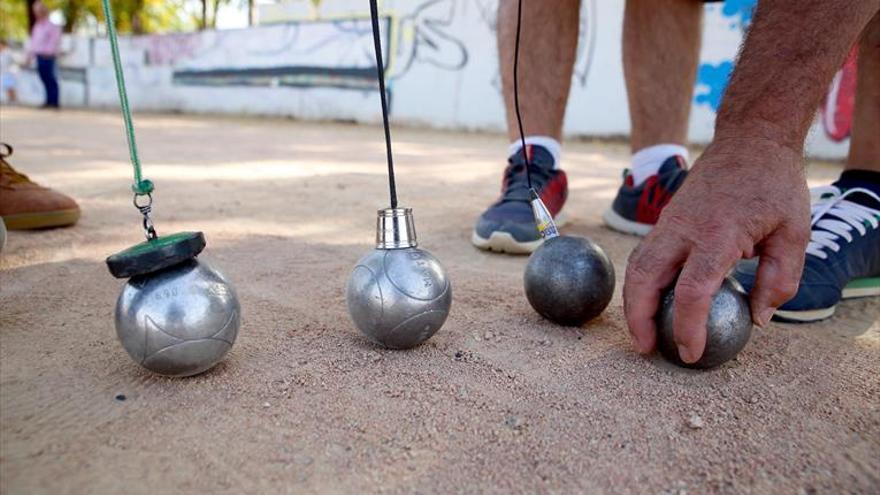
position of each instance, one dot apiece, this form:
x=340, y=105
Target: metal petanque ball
x=179, y=320
x=569, y=280
x=398, y=295
x=728, y=329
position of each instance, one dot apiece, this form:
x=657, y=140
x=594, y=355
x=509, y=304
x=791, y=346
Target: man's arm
x=747, y=193
x=790, y=55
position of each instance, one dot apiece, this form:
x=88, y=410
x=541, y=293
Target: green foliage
x=130, y=16
x=13, y=19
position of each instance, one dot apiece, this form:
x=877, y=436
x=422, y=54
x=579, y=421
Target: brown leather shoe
x=27, y=205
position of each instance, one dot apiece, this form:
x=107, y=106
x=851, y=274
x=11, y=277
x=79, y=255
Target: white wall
x=442, y=68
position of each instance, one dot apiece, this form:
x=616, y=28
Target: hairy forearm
x=789, y=57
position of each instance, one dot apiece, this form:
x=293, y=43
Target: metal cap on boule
x=395, y=229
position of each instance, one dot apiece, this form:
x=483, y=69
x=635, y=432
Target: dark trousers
x=46, y=69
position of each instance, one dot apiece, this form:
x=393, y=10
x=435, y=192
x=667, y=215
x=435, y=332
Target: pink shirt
x=45, y=39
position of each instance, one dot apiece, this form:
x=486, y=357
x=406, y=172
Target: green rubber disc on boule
x=154, y=255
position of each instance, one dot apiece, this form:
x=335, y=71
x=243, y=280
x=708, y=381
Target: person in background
x=44, y=45
x=7, y=73
x=661, y=52
x=745, y=197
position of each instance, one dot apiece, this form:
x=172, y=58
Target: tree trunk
x=72, y=12
x=250, y=12
x=204, y=23
x=136, y=19
x=214, y=17
x=30, y=13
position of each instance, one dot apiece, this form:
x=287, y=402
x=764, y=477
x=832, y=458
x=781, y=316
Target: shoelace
x=517, y=187
x=15, y=177
x=833, y=217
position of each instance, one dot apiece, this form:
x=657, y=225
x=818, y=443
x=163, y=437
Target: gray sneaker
x=508, y=226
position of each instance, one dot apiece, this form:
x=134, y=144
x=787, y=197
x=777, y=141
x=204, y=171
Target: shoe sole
x=503, y=242
x=42, y=220
x=616, y=222
x=862, y=287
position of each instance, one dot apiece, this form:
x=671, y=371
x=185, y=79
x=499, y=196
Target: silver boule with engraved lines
x=398, y=295
x=179, y=321
x=727, y=330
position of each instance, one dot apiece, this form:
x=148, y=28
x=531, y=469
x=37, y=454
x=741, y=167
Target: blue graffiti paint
x=739, y=8
x=712, y=78
x=711, y=81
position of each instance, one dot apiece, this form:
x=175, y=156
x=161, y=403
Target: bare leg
x=661, y=48
x=864, y=147
x=548, y=46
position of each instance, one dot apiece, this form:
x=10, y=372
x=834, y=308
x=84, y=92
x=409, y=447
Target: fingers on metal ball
x=640, y=303
x=727, y=329
x=701, y=277
x=652, y=266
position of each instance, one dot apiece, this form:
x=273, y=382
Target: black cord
x=522, y=134
x=380, y=69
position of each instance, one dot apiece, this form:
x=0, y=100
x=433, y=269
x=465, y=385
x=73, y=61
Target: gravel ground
x=498, y=401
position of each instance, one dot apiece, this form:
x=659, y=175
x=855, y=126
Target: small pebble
x=696, y=422
x=266, y=404
x=121, y=397
x=513, y=422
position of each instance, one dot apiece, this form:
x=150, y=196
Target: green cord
x=141, y=185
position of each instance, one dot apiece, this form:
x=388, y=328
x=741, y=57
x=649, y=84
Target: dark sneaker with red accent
x=508, y=226
x=636, y=209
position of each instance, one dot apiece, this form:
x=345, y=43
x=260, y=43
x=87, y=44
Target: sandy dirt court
x=499, y=400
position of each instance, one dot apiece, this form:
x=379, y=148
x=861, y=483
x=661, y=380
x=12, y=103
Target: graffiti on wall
x=315, y=61
x=335, y=52
x=836, y=110
x=425, y=35
x=712, y=78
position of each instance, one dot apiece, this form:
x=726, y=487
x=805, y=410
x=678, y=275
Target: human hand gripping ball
x=743, y=198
